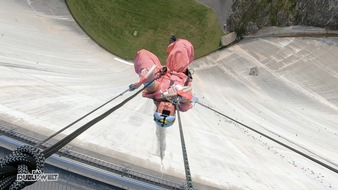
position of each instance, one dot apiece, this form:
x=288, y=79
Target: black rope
x=184, y=151
x=21, y=161
x=160, y=73
x=57, y=146
x=276, y=141
x=47, y=139
x=54, y=148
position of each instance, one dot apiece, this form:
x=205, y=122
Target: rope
x=21, y=161
x=58, y=132
x=276, y=141
x=54, y=148
x=160, y=73
x=184, y=151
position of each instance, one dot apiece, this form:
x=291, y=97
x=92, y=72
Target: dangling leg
x=180, y=55
x=144, y=59
x=143, y=62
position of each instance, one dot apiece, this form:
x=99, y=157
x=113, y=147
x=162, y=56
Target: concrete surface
x=51, y=74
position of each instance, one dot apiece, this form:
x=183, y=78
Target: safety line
x=54, y=148
x=184, y=151
x=276, y=141
x=47, y=139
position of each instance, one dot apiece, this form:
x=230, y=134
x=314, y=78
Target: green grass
x=112, y=23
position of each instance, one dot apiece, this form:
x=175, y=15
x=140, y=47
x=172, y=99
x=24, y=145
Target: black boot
x=172, y=39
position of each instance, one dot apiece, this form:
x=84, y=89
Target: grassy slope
x=112, y=23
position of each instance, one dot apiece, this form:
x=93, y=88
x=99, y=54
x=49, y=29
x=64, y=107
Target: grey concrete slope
x=51, y=74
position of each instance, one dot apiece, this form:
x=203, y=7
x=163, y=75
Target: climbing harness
x=25, y=159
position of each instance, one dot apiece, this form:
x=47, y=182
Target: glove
x=133, y=87
x=194, y=99
x=174, y=89
x=182, y=99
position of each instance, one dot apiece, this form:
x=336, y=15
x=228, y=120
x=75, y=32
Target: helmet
x=164, y=116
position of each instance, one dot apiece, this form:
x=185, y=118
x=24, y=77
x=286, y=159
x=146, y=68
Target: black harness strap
x=189, y=76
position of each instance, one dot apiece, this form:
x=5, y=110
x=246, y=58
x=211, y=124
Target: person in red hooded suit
x=175, y=81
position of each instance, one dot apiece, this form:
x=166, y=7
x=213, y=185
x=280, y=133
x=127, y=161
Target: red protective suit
x=180, y=55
